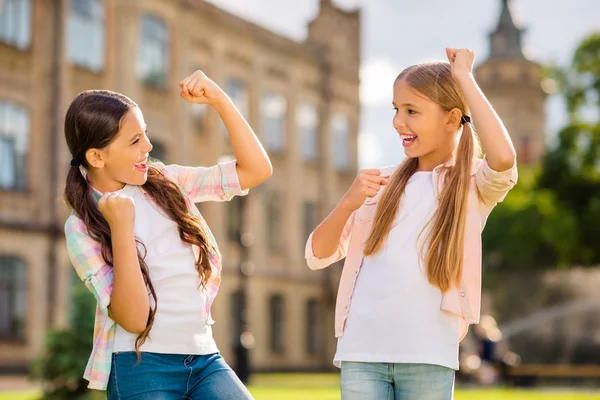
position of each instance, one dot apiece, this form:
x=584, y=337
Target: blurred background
x=314, y=78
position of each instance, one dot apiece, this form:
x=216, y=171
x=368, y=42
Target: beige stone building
x=301, y=98
x=513, y=84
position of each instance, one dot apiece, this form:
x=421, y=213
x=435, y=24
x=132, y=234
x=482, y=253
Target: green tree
x=529, y=230
x=552, y=217
x=572, y=169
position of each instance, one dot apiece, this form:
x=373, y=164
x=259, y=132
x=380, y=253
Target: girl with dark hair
x=142, y=248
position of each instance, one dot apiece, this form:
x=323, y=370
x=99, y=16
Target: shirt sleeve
x=493, y=186
x=320, y=263
x=86, y=256
x=217, y=183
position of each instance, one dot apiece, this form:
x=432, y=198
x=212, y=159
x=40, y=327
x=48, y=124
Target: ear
x=95, y=158
x=453, y=119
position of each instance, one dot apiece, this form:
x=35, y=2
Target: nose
x=149, y=146
x=398, y=122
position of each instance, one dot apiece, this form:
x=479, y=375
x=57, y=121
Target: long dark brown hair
x=445, y=242
x=93, y=121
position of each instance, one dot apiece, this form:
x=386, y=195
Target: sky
x=399, y=33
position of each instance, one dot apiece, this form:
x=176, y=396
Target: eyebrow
x=138, y=133
x=405, y=105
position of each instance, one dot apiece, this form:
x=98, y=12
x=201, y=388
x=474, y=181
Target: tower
x=512, y=83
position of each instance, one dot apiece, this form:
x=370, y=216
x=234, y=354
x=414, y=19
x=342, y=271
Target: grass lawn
x=325, y=387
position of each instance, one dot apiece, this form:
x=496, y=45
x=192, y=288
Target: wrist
x=221, y=102
x=463, y=77
x=346, y=206
x=121, y=229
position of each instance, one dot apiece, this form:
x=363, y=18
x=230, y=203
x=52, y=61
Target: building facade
x=300, y=97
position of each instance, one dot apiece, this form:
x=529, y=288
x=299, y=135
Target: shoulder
x=74, y=224
x=389, y=170
x=78, y=239
x=160, y=167
x=477, y=162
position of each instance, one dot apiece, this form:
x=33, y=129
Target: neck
x=102, y=183
x=429, y=161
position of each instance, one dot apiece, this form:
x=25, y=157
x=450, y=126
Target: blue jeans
x=389, y=381
x=173, y=377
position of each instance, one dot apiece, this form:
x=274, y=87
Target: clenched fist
x=117, y=209
x=367, y=184
x=461, y=61
x=198, y=88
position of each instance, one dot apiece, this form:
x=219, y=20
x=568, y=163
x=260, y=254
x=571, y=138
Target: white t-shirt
x=395, y=314
x=180, y=324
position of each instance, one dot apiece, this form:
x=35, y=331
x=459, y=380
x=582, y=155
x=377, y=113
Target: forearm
x=326, y=237
x=494, y=137
x=253, y=164
x=129, y=305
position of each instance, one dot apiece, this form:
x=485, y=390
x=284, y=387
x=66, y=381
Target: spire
x=326, y=3
x=505, y=41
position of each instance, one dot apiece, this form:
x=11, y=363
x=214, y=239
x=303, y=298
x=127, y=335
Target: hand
x=117, y=209
x=197, y=88
x=367, y=184
x=461, y=61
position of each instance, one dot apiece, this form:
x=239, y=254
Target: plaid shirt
x=198, y=184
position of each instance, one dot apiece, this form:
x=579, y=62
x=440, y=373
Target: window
x=277, y=339
x=14, y=144
x=499, y=44
x=15, y=23
x=272, y=110
x=234, y=218
x=312, y=327
x=153, y=56
x=237, y=91
x=307, y=121
x=12, y=298
x=273, y=231
x=340, y=127
x=85, y=37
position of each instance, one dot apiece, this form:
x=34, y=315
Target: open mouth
x=407, y=140
x=142, y=166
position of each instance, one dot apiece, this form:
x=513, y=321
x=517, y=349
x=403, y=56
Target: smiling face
x=420, y=122
x=427, y=105
x=124, y=160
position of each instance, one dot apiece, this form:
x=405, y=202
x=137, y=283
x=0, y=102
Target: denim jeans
x=389, y=381
x=173, y=377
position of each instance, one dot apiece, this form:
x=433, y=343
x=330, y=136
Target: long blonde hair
x=445, y=240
